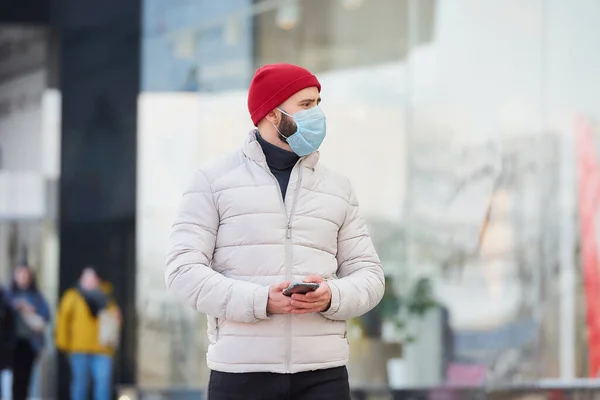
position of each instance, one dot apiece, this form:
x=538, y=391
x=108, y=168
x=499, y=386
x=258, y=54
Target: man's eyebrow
x=311, y=100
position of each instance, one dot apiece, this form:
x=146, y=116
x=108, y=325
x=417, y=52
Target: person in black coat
x=7, y=332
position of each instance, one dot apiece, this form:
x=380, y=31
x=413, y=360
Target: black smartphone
x=300, y=287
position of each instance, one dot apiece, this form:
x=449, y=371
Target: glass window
x=331, y=35
x=451, y=119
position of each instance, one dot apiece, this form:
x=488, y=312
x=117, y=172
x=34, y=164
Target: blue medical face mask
x=310, y=132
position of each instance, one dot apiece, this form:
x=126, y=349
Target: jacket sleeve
x=189, y=275
x=360, y=284
x=43, y=310
x=62, y=331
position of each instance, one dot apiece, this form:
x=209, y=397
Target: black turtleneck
x=280, y=162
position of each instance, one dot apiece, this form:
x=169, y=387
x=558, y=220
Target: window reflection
x=449, y=118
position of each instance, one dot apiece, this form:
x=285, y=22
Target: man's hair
x=33, y=286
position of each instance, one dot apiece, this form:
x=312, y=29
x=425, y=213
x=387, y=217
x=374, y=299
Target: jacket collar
x=253, y=151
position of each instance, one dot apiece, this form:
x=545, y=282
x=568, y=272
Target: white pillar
x=567, y=262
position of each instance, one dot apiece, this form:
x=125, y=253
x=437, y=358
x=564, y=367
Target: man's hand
x=278, y=303
x=24, y=306
x=311, y=302
x=28, y=308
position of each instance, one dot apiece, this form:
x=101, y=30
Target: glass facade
x=455, y=123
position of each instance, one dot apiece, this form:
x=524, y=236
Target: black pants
x=23, y=359
x=326, y=384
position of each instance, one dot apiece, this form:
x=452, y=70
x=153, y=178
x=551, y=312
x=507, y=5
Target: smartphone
x=300, y=287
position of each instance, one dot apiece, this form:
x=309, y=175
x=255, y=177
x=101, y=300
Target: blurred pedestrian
x=32, y=316
x=87, y=330
x=259, y=219
x=7, y=341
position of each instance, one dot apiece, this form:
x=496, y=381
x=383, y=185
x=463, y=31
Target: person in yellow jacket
x=81, y=333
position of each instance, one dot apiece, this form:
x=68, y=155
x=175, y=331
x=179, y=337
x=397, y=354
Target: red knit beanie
x=275, y=83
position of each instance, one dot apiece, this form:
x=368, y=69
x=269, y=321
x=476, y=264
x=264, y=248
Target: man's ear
x=273, y=117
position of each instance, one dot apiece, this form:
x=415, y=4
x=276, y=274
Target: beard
x=287, y=127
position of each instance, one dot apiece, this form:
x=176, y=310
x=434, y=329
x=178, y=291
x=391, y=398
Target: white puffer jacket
x=233, y=236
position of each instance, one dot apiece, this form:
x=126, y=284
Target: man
x=259, y=219
x=83, y=315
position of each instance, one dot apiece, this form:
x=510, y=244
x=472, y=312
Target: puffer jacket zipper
x=288, y=253
x=288, y=269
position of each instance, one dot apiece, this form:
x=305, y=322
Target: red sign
x=589, y=189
